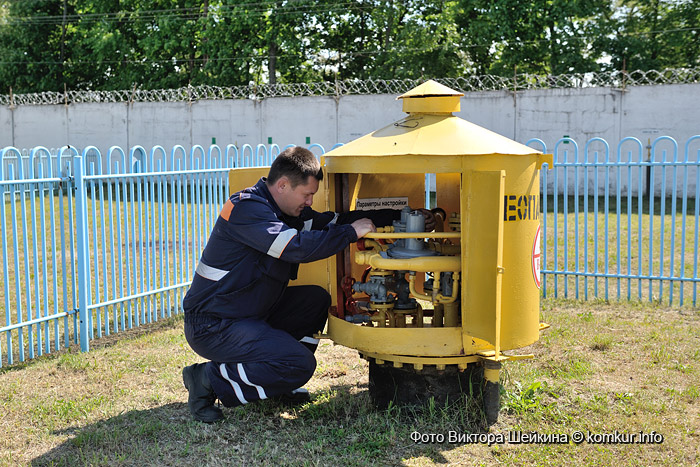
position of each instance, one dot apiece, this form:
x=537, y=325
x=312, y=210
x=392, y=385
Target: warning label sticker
x=369, y=204
x=536, y=259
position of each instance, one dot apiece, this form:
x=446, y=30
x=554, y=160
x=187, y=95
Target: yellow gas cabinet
x=456, y=298
x=424, y=307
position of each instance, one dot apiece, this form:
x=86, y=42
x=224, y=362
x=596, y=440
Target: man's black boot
x=201, y=399
x=294, y=398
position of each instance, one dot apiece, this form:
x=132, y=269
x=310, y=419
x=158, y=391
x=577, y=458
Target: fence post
x=82, y=247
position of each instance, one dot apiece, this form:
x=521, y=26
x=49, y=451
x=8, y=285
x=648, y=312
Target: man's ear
x=281, y=184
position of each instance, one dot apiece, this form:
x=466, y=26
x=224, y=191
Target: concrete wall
x=643, y=112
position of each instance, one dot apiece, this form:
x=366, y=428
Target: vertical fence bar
x=120, y=251
x=18, y=281
x=44, y=263
x=175, y=239
x=618, y=208
x=629, y=223
x=696, y=246
x=5, y=262
x=586, y=216
x=640, y=206
x=662, y=227
x=607, y=231
x=27, y=276
x=595, y=225
x=111, y=184
x=82, y=252
x=133, y=281
x=684, y=208
x=162, y=237
x=565, y=203
x=650, y=200
x=54, y=261
x=96, y=298
x=141, y=244
x=555, y=224
x=35, y=253
x=576, y=223
x=672, y=253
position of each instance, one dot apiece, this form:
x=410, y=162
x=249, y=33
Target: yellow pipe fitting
x=455, y=291
x=375, y=245
x=436, y=287
x=412, y=288
x=419, y=264
x=381, y=233
x=451, y=315
x=444, y=249
x=438, y=315
x=418, y=317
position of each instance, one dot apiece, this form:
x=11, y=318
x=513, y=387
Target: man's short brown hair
x=297, y=164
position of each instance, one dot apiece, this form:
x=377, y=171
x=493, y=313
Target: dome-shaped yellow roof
x=432, y=131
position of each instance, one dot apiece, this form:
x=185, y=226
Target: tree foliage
x=52, y=45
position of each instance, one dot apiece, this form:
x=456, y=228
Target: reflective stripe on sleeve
x=208, y=272
x=234, y=385
x=244, y=378
x=281, y=242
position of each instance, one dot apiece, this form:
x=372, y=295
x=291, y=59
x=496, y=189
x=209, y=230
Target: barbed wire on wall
x=614, y=79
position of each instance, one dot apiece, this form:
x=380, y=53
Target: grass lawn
x=599, y=369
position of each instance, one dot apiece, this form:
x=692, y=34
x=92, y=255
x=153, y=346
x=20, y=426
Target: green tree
x=651, y=35
x=541, y=36
x=33, y=40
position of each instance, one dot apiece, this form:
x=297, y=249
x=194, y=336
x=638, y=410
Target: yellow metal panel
x=441, y=104
x=316, y=273
x=398, y=164
x=429, y=89
x=425, y=342
x=482, y=247
x=520, y=305
x=430, y=135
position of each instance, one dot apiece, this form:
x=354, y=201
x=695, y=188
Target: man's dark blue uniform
x=239, y=312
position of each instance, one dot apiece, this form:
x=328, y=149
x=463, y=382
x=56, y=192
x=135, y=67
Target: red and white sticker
x=536, y=259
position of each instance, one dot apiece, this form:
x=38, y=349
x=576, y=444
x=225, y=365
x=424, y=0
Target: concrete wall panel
x=5, y=127
x=360, y=116
x=291, y=120
x=644, y=112
x=228, y=122
x=653, y=111
x=492, y=110
x=580, y=114
x=100, y=125
x=160, y=123
x=40, y=125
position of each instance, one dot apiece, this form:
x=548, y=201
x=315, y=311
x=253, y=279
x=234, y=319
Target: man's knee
x=307, y=366
x=319, y=296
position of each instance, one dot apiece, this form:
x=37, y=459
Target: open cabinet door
x=316, y=273
x=482, y=254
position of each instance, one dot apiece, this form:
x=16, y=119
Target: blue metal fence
x=622, y=223
x=94, y=244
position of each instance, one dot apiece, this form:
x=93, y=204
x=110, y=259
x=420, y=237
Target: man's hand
x=429, y=220
x=363, y=226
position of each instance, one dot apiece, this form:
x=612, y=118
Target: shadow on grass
x=339, y=427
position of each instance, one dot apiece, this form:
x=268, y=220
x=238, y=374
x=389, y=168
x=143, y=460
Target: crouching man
x=239, y=312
